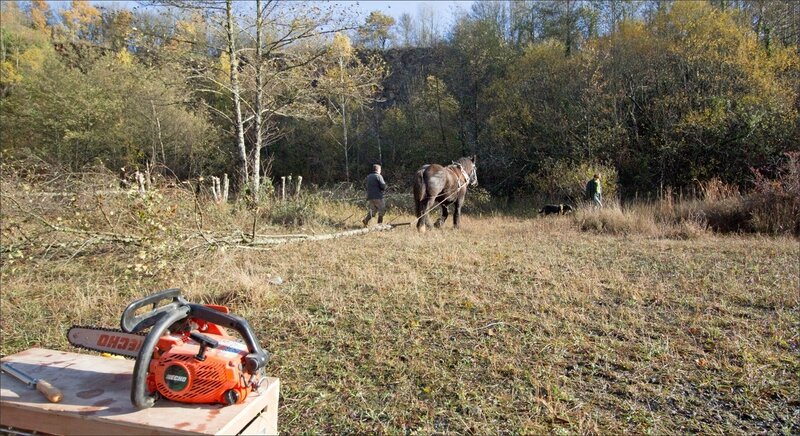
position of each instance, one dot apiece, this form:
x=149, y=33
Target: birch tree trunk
x=244, y=179
x=160, y=138
x=439, y=110
x=344, y=125
x=259, y=104
x=346, y=157
x=377, y=122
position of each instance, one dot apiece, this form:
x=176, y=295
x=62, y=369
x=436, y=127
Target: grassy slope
x=512, y=325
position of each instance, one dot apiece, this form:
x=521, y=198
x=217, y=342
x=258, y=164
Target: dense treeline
x=659, y=93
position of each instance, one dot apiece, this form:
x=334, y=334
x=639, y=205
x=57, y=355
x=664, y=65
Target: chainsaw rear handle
x=132, y=323
x=257, y=358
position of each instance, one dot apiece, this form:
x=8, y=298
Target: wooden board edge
x=54, y=422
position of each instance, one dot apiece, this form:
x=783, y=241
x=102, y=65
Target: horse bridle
x=473, y=179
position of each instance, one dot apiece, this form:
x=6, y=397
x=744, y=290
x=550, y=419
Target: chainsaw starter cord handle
x=204, y=342
x=139, y=395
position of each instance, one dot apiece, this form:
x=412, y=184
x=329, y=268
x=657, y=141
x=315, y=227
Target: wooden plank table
x=97, y=401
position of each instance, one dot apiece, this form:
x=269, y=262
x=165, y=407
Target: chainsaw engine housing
x=178, y=373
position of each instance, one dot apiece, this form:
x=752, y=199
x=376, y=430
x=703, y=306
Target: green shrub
x=774, y=204
x=294, y=212
x=478, y=198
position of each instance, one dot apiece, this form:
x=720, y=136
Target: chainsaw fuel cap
x=231, y=397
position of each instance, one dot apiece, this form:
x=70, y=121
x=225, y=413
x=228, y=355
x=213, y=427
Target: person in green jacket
x=594, y=191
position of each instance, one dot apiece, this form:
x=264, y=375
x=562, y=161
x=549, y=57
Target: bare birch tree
x=272, y=61
x=230, y=31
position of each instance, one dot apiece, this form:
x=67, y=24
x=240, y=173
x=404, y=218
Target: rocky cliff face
x=407, y=66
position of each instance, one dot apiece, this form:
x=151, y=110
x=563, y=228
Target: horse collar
x=464, y=173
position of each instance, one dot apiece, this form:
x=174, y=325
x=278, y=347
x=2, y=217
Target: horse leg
x=457, y=214
x=419, y=199
x=425, y=223
x=420, y=211
x=421, y=215
x=440, y=222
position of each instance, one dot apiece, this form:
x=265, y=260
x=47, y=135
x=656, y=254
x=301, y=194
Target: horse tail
x=419, y=191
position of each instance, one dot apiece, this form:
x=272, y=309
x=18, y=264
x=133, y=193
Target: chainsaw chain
x=105, y=329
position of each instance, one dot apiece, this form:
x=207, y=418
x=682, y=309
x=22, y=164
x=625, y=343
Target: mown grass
x=506, y=326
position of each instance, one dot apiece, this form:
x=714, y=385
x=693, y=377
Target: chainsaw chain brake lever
x=132, y=323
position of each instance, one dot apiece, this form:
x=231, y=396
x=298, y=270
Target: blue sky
x=445, y=9
x=444, y=12
x=393, y=8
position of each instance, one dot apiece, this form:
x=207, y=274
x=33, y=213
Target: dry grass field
x=518, y=325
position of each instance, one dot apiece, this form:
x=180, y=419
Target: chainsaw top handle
x=132, y=323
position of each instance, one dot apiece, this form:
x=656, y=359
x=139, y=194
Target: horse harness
x=464, y=173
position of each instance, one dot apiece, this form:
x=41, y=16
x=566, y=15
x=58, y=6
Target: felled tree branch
x=263, y=240
x=93, y=235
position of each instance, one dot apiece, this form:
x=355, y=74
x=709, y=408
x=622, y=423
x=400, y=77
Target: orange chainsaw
x=188, y=356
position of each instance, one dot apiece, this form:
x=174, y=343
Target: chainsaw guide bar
x=106, y=340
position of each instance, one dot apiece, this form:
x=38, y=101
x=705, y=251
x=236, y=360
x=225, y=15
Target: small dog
x=560, y=209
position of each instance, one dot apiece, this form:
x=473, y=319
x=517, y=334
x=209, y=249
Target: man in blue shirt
x=375, y=187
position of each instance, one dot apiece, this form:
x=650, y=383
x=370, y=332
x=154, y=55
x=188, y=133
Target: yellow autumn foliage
x=124, y=57
x=341, y=47
x=39, y=12
x=8, y=74
x=81, y=16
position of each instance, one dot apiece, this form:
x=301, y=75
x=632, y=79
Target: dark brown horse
x=436, y=185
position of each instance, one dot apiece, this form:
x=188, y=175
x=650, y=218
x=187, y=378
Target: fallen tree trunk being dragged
x=277, y=241
x=262, y=241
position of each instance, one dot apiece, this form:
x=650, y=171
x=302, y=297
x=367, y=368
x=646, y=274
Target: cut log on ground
x=299, y=238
